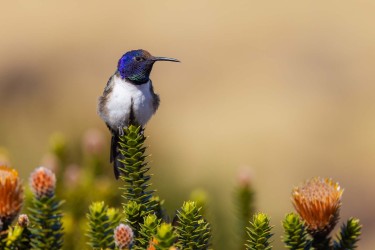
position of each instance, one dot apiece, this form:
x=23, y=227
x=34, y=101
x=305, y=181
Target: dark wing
x=108, y=87
x=155, y=97
x=102, y=111
x=114, y=153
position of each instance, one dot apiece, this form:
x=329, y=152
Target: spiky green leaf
x=349, y=235
x=101, y=223
x=45, y=216
x=295, y=234
x=259, y=233
x=165, y=237
x=147, y=231
x=136, y=180
x=192, y=230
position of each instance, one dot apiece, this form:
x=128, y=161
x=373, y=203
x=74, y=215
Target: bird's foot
x=121, y=131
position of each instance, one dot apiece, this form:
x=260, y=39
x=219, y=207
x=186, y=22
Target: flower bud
x=23, y=220
x=43, y=182
x=11, y=196
x=123, y=236
x=318, y=202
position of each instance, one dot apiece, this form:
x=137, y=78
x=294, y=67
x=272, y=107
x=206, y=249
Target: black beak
x=157, y=58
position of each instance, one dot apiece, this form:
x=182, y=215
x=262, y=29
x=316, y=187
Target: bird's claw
x=121, y=131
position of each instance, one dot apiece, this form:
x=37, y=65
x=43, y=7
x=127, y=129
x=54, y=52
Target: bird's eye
x=138, y=58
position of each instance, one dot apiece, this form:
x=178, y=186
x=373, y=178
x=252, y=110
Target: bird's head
x=136, y=65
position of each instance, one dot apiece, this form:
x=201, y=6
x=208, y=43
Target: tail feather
x=114, y=155
x=116, y=169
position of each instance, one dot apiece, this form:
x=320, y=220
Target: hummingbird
x=129, y=97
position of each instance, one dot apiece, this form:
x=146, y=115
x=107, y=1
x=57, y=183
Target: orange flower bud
x=123, y=236
x=11, y=196
x=43, y=182
x=318, y=202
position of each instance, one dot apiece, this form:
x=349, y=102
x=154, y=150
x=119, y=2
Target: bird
x=128, y=97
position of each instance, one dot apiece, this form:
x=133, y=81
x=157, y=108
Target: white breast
x=126, y=95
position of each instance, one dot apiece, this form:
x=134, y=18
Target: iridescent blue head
x=136, y=65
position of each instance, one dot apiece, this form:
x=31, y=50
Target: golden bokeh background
x=285, y=89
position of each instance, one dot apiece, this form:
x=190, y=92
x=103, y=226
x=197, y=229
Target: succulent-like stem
x=259, y=233
x=102, y=222
x=134, y=175
x=45, y=216
x=147, y=231
x=349, y=235
x=295, y=236
x=164, y=238
x=193, y=231
x=244, y=200
x=134, y=213
x=14, y=238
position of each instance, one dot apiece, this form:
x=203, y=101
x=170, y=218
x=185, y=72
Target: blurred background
x=282, y=90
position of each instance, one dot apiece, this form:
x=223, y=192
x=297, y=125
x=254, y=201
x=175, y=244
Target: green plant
x=296, y=236
x=245, y=206
x=147, y=231
x=14, y=238
x=102, y=221
x=193, y=231
x=45, y=212
x=164, y=238
x=145, y=224
x=138, y=197
x=143, y=211
x=318, y=202
x=349, y=235
x=259, y=233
